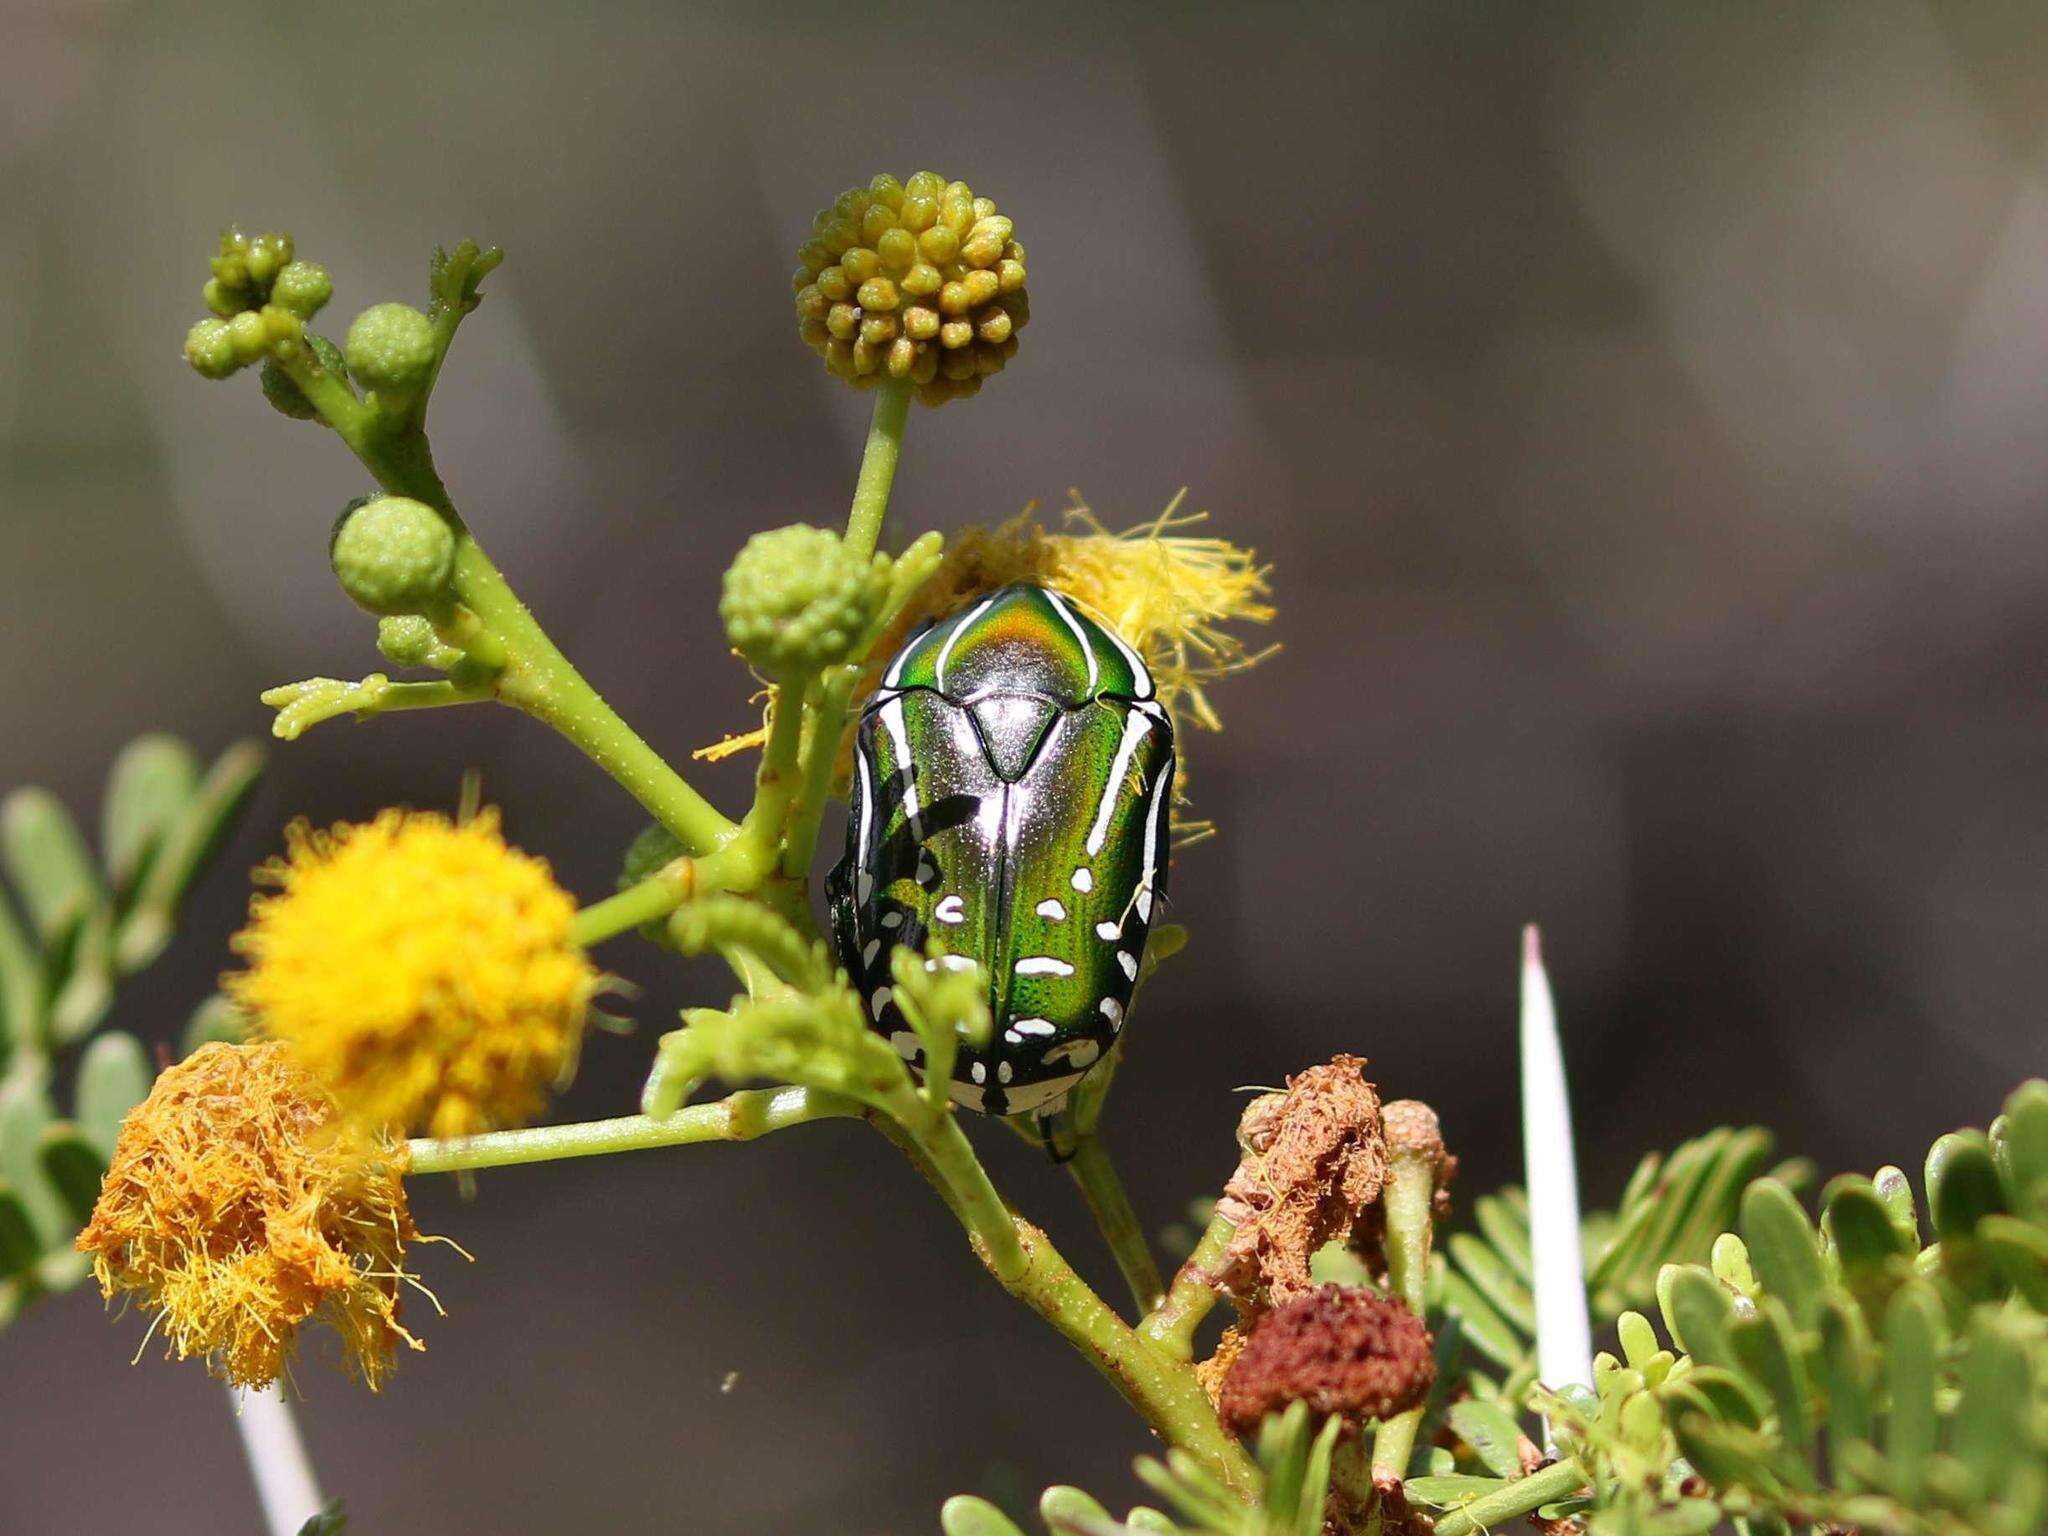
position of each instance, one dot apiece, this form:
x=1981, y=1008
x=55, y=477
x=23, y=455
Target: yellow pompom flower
x=241, y=1205
x=420, y=968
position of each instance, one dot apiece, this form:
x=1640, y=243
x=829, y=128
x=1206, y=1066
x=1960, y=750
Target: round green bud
x=303, y=287
x=222, y=300
x=249, y=336
x=210, y=350
x=408, y=640
x=266, y=257
x=394, y=555
x=798, y=600
x=390, y=348
x=918, y=280
x=283, y=394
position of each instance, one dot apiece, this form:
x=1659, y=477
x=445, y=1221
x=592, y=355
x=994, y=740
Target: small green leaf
x=24, y=1115
x=2020, y=1142
x=20, y=1247
x=1507, y=1232
x=147, y=787
x=1697, y=1312
x=1962, y=1184
x=1720, y=1394
x=1283, y=1453
x=1450, y=1492
x=331, y=1521
x=2018, y=1251
x=1996, y=1382
x=1486, y=1270
x=1481, y=1324
x=21, y=987
x=113, y=1077
x=1727, y=1457
x=1896, y=1191
x=1764, y=1347
x=48, y=862
x=1070, y=1506
x=1492, y=1433
x=1865, y=1235
x=1144, y=1518
x=1846, y=1373
x=966, y=1515
x=1783, y=1249
x=88, y=990
x=1912, y=1347
x=1315, y=1480
x=187, y=844
x=74, y=1171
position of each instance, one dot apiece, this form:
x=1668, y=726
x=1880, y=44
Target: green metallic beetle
x=1012, y=781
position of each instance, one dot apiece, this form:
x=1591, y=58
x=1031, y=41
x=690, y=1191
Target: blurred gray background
x=1644, y=415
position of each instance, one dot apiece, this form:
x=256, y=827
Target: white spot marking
x=1059, y=607
x=1033, y=1027
x=1136, y=727
x=1112, y=1010
x=1042, y=965
x=952, y=963
x=879, y=1001
x=1050, y=907
x=863, y=886
x=1129, y=962
x=953, y=638
x=1077, y=1053
x=1011, y=1037
x=951, y=910
x=867, y=956
x=1083, y=880
x=1004, y=1072
x=1109, y=931
x=907, y=1045
x=979, y=1072
x=892, y=919
x=925, y=869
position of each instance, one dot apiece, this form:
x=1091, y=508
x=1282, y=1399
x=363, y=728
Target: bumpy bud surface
x=797, y=599
x=1340, y=1350
x=394, y=555
x=210, y=350
x=303, y=287
x=390, y=348
x=917, y=280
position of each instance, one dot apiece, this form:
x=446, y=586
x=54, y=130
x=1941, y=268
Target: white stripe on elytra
x=1141, y=679
x=1152, y=822
x=1112, y=1010
x=1033, y=1027
x=1094, y=669
x=1129, y=962
x=951, y=910
x=1042, y=965
x=953, y=639
x=892, y=722
x=1136, y=726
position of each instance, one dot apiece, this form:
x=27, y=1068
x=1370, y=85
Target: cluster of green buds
x=261, y=296
x=917, y=280
x=799, y=599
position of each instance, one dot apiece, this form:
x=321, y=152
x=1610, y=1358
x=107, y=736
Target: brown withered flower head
x=1313, y=1160
x=1341, y=1349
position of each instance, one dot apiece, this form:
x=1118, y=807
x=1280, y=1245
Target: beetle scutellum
x=1012, y=780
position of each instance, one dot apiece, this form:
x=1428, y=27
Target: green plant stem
x=825, y=725
x=1091, y=1169
x=878, y=465
x=740, y=1116
x=1523, y=1496
x=1408, y=1197
x=1170, y=1326
x=656, y=896
x=537, y=677
x=764, y=834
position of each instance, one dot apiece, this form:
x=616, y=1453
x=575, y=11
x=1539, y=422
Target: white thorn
x=285, y=1484
x=1564, y=1339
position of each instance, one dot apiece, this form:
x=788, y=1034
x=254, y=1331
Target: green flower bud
x=917, y=280
x=390, y=348
x=408, y=640
x=210, y=350
x=303, y=287
x=249, y=337
x=266, y=257
x=394, y=555
x=798, y=600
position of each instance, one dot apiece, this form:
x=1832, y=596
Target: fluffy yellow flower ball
x=240, y=1206
x=420, y=968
